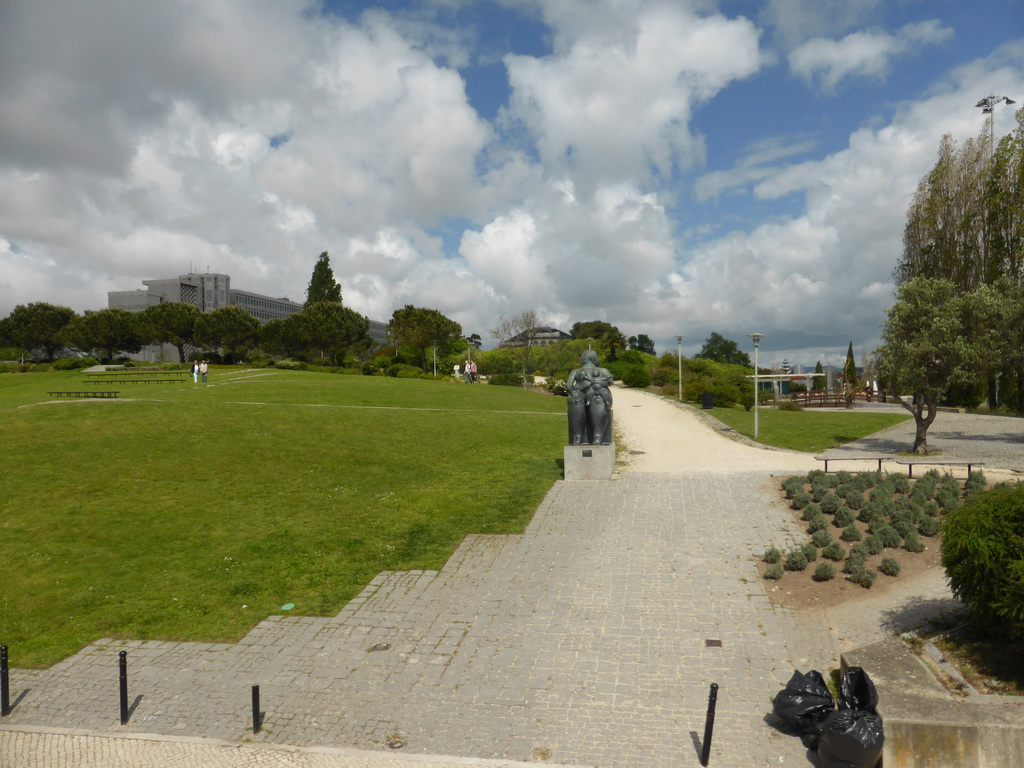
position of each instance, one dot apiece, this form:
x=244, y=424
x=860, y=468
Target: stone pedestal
x=589, y=462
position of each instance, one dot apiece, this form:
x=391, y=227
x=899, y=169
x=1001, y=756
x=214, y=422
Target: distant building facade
x=208, y=291
x=537, y=337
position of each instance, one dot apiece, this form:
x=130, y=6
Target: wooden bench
x=82, y=393
x=911, y=461
x=827, y=459
x=136, y=374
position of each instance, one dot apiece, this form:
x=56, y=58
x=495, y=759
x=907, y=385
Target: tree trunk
x=924, y=412
x=993, y=400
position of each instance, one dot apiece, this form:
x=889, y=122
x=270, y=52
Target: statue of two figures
x=590, y=403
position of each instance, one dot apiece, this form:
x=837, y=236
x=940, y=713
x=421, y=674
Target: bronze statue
x=590, y=403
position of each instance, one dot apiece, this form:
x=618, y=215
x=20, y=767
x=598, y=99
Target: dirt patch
x=798, y=590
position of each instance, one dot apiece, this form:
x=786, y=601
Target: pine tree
x=322, y=286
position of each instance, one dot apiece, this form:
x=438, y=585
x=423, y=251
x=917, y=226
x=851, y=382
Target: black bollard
x=5, y=694
x=123, y=665
x=709, y=726
x=255, y=709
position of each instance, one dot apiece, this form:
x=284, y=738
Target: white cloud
x=614, y=100
x=861, y=54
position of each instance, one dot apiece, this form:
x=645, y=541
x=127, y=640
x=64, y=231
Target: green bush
x=636, y=376
x=889, y=536
x=506, y=379
x=788, y=405
x=873, y=544
x=557, y=387
x=824, y=572
x=843, y=517
x=834, y=551
x=983, y=554
x=817, y=524
x=929, y=526
x=812, y=511
x=290, y=365
x=901, y=483
x=821, y=538
x=772, y=555
x=851, y=533
x=791, y=485
x=810, y=551
x=773, y=572
x=854, y=499
x=370, y=368
x=796, y=560
x=889, y=567
x=912, y=543
x=830, y=503
x=863, y=577
x=74, y=363
x=800, y=500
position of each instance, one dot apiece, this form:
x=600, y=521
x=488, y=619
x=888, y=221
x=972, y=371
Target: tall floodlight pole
x=988, y=107
x=757, y=394
x=679, y=357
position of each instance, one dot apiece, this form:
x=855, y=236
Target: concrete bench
x=878, y=459
x=911, y=461
x=107, y=393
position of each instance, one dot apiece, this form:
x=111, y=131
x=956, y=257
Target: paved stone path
x=590, y=639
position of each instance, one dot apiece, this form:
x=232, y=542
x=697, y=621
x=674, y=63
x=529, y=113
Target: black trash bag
x=856, y=691
x=851, y=738
x=804, y=704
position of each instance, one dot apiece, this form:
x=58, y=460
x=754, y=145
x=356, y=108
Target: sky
x=672, y=167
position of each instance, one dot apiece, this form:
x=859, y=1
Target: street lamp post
x=757, y=343
x=988, y=107
x=679, y=357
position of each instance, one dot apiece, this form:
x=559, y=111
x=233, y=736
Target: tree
x=607, y=335
x=723, y=350
x=104, y=333
x=525, y=325
x=421, y=328
x=322, y=286
x=850, y=382
x=818, y=382
x=926, y=349
x=36, y=326
x=328, y=331
x=643, y=343
x=230, y=329
x=170, y=323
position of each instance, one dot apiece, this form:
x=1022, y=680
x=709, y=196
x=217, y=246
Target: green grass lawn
x=191, y=512
x=808, y=430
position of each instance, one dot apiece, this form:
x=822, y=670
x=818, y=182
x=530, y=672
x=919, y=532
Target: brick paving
x=582, y=641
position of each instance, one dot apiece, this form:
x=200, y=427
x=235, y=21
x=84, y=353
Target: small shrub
x=290, y=365
x=811, y=511
x=557, y=387
x=912, y=543
x=834, y=551
x=889, y=536
x=772, y=555
x=821, y=538
x=830, y=503
x=788, y=405
x=74, y=363
x=873, y=544
x=901, y=484
x=773, y=572
x=889, y=567
x=370, y=368
x=863, y=577
x=929, y=526
x=854, y=499
x=932, y=509
x=817, y=524
x=824, y=572
x=843, y=517
x=819, y=490
x=800, y=500
x=851, y=533
x=810, y=551
x=791, y=485
x=815, y=474
x=853, y=562
x=796, y=560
